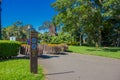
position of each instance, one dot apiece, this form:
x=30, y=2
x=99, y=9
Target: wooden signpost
x=33, y=50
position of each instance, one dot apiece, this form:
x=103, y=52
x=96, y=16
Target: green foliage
x=19, y=69
x=18, y=30
x=112, y=52
x=60, y=38
x=9, y=48
x=44, y=37
x=15, y=29
x=68, y=17
x=91, y=17
x=73, y=43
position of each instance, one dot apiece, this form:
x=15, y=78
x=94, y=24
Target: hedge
x=9, y=48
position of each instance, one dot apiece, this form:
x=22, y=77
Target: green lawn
x=112, y=52
x=18, y=69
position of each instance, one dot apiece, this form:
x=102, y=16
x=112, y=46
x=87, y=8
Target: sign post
x=33, y=50
x=12, y=38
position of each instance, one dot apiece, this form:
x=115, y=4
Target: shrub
x=73, y=43
x=9, y=48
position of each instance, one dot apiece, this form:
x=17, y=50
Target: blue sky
x=33, y=12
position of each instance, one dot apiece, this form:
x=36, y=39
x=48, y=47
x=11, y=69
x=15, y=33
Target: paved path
x=80, y=67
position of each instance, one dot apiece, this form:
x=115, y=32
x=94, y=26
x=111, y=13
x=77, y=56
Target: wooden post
x=34, y=52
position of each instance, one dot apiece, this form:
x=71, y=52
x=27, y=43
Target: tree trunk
x=99, y=38
x=96, y=44
x=80, y=39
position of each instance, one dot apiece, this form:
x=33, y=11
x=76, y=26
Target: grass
x=18, y=69
x=112, y=52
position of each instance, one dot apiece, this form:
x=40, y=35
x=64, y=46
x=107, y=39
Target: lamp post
x=0, y=21
x=28, y=36
x=29, y=31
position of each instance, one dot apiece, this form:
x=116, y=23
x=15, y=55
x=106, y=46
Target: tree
x=49, y=26
x=68, y=17
x=87, y=16
x=18, y=30
x=4, y=36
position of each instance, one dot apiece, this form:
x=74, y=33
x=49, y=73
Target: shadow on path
x=20, y=56
x=61, y=53
x=55, y=55
x=61, y=73
x=105, y=49
x=45, y=56
x=111, y=49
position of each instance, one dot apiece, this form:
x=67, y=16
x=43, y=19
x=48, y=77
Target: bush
x=73, y=43
x=9, y=48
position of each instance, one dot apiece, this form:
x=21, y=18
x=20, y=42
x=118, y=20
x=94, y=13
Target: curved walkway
x=71, y=66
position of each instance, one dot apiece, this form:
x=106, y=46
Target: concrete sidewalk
x=80, y=67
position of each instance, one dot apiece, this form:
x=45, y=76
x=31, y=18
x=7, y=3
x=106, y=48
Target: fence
x=44, y=48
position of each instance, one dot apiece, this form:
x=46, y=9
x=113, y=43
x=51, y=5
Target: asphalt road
x=72, y=66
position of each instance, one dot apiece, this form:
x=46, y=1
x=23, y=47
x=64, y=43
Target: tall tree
x=68, y=17
x=89, y=16
x=47, y=25
x=18, y=30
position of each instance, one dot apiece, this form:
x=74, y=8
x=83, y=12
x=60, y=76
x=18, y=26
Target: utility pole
x=0, y=21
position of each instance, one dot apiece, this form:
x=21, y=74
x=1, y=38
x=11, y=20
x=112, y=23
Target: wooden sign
x=34, y=52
